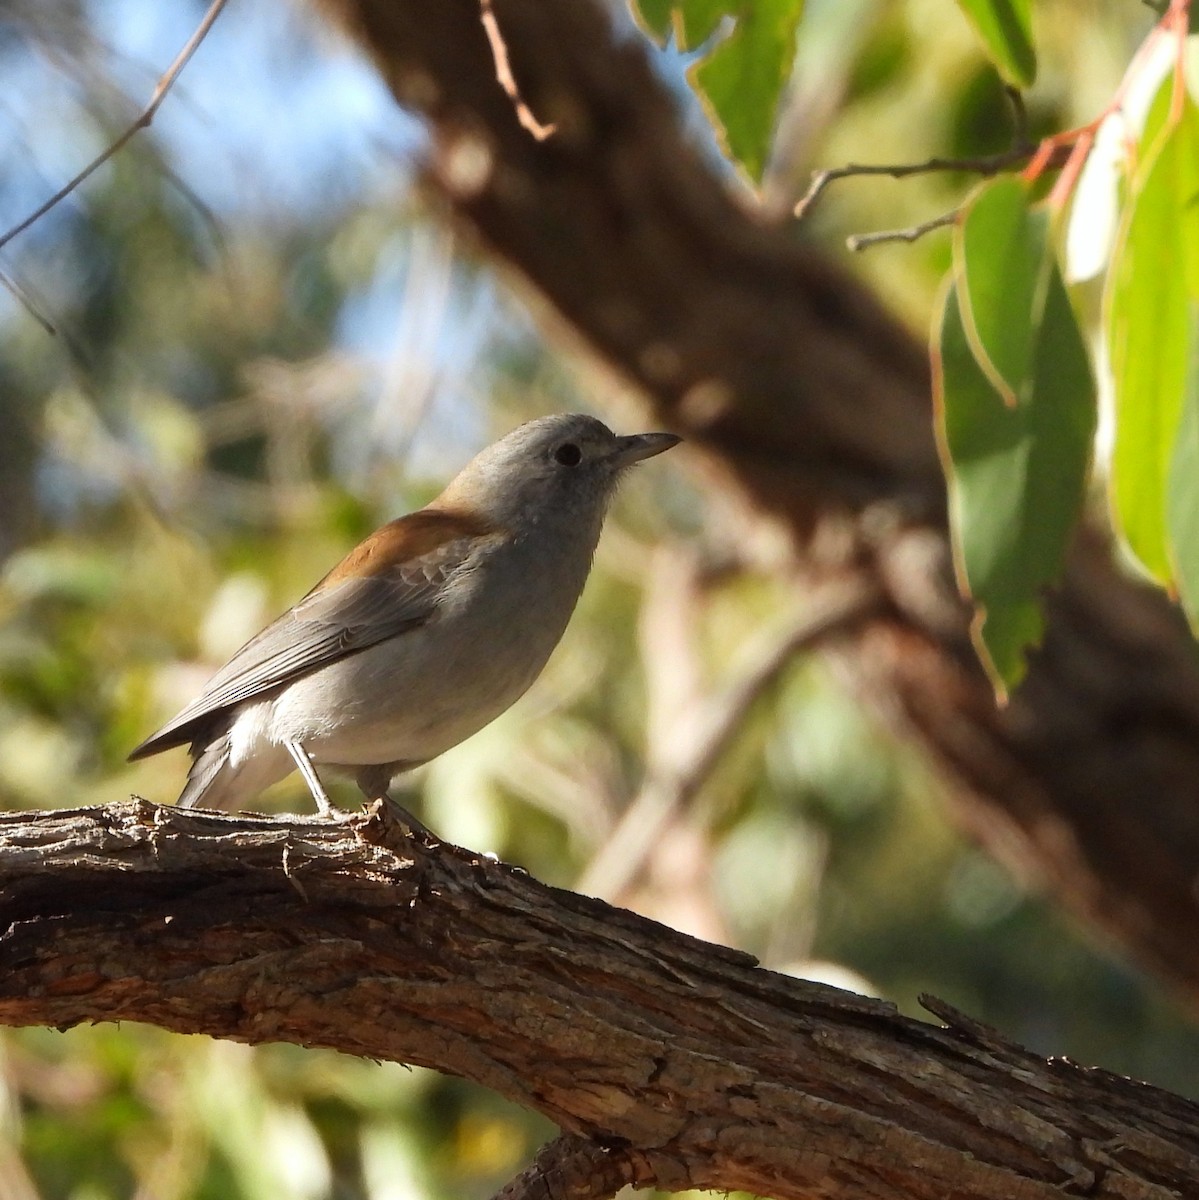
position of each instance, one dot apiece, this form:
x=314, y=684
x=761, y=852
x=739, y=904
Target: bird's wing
x=356, y=605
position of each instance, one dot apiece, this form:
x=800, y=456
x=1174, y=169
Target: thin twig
x=986, y=167
x=1022, y=148
x=503, y=74
x=708, y=733
x=863, y=241
x=37, y=307
x=22, y=297
x=144, y=119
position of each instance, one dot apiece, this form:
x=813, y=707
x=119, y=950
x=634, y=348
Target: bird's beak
x=637, y=446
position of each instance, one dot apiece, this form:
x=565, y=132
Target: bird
x=424, y=633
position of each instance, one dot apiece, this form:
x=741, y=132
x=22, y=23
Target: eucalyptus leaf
x=742, y=76
x=1017, y=464
x=1183, y=499
x=1153, y=284
x=1005, y=27
x=999, y=253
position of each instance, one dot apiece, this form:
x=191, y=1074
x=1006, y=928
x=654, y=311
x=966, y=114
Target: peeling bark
x=667, y=1060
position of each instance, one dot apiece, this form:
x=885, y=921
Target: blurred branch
x=683, y=1059
x=143, y=121
x=682, y=757
x=22, y=297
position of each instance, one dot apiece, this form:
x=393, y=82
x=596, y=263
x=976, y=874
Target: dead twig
x=503, y=74
x=1022, y=149
x=145, y=117
x=985, y=166
x=863, y=241
x=701, y=737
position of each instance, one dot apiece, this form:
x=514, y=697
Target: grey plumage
x=424, y=633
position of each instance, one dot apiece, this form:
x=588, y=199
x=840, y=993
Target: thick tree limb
x=574, y=1168
x=690, y=1065
x=813, y=404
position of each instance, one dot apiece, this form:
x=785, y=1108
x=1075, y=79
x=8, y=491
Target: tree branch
x=143, y=121
x=986, y=166
x=699, y=736
x=797, y=390
x=574, y=1168
x=910, y=233
x=694, y=1067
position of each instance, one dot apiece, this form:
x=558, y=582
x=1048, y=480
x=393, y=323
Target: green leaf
x=1183, y=499
x=1152, y=285
x=1005, y=27
x=1157, y=120
x=1017, y=472
x=741, y=79
x=655, y=17
x=691, y=22
x=999, y=254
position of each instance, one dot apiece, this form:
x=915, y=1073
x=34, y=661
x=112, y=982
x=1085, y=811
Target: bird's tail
x=210, y=780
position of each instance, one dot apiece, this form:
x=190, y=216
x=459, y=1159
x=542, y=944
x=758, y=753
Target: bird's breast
x=413, y=696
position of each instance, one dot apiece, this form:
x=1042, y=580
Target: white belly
x=412, y=697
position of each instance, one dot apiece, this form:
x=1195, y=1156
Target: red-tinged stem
x=1176, y=21
x=1082, y=140
x=1070, y=172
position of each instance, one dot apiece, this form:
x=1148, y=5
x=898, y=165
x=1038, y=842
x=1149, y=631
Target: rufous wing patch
x=404, y=540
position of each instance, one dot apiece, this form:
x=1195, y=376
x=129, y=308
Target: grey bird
x=421, y=635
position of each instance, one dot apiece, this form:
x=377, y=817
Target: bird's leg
x=373, y=783
x=323, y=803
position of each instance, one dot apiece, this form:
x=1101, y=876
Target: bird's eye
x=568, y=454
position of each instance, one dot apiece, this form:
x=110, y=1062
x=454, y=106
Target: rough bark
x=681, y=1063
x=807, y=400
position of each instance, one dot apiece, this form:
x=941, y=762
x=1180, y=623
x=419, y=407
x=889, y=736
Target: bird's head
x=558, y=468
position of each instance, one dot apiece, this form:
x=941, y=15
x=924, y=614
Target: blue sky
x=276, y=122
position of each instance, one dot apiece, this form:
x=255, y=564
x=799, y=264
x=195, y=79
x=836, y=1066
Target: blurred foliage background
x=267, y=344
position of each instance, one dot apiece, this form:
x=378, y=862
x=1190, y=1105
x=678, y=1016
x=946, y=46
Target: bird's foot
x=374, y=783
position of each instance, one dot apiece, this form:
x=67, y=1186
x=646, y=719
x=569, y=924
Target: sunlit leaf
x=691, y=22
x=1153, y=283
x=1183, y=498
x=1017, y=472
x=1005, y=27
x=743, y=75
x=999, y=253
